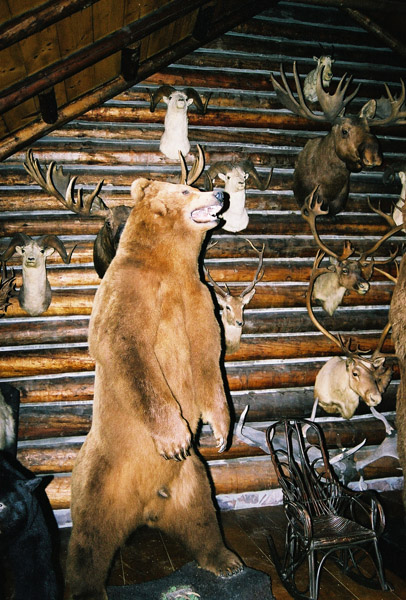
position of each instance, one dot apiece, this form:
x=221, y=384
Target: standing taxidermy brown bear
x=156, y=343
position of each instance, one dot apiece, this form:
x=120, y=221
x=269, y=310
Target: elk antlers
x=62, y=187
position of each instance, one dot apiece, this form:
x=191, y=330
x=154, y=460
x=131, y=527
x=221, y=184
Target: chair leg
x=379, y=568
x=313, y=579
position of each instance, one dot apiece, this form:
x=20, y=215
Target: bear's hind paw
x=226, y=565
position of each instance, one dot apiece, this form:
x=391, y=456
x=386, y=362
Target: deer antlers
x=257, y=277
x=62, y=187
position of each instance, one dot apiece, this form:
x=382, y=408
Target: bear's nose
x=219, y=196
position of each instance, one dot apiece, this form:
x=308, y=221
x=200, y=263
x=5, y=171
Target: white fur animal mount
x=309, y=86
x=7, y=424
x=235, y=175
x=35, y=293
x=175, y=136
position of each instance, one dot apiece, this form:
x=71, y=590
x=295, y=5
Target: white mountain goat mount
x=35, y=293
x=235, y=176
x=175, y=136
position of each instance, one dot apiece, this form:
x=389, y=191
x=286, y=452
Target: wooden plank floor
x=150, y=555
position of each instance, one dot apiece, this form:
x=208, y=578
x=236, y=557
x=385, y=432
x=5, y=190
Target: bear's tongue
x=206, y=214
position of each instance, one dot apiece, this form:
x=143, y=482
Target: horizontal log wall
x=46, y=357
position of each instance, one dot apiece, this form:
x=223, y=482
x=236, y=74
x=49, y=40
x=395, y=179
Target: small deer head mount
x=232, y=316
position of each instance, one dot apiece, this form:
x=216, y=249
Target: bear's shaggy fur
x=156, y=343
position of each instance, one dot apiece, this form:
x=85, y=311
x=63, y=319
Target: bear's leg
x=189, y=514
x=102, y=520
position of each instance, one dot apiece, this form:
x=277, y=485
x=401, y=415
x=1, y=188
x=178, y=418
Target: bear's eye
x=185, y=192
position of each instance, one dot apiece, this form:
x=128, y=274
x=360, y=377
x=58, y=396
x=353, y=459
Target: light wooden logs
x=68, y=420
x=59, y=359
x=229, y=477
x=64, y=330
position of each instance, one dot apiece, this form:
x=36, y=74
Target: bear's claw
x=221, y=444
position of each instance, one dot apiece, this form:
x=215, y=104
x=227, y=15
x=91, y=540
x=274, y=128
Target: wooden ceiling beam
x=90, y=55
x=38, y=19
x=392, y=42
x=391, y=6
x=29, y=134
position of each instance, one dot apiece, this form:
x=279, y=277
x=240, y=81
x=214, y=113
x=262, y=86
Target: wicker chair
x=324, y=518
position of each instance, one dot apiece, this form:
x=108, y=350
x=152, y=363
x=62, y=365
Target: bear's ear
x=138, y=186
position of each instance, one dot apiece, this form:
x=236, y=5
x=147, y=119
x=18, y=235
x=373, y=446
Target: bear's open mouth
x=206, y=214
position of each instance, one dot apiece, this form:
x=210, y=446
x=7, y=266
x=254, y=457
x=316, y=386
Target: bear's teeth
x=203, y=215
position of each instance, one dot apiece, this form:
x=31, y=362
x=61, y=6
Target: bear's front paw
x=176, y=447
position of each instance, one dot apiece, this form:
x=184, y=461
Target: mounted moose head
x=35, y=293
x=343, y=275
x=232, y=316
x=175, y=136
x=349, y=146
x=235, y=176
x=342, y=381
x=324, y=64
x=62, y=187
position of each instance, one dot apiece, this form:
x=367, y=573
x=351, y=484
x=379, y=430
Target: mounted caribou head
x=350, y=146
x=232, y=316
x=175, y=136
x=343, y=380
x=344, y=274
x=235, y=175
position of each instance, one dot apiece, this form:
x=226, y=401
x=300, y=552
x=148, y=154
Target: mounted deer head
x=343, y=275
x=342, y=381
x=232, y=315
x=350, y=146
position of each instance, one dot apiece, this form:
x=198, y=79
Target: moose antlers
x=331, y=105
x=62, y=187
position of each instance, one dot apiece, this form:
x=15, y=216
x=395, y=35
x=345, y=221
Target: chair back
x=300, y=458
